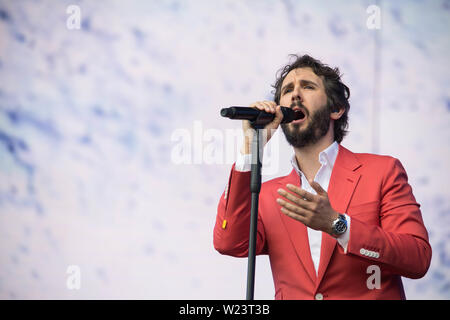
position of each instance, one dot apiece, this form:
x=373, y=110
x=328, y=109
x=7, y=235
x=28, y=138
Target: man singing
x=341, y=225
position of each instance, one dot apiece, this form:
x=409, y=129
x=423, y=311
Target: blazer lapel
x=342, y=185
x=298, y=233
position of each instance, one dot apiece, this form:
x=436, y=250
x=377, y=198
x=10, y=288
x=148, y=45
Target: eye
x=287, y=90
x=308, y=87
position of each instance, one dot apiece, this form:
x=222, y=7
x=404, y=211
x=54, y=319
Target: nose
x=296, y=95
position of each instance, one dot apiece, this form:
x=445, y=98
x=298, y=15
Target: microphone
x=258, y=116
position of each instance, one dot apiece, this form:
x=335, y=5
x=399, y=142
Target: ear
x=337, y=113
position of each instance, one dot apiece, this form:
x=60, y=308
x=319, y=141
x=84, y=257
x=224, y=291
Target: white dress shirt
x=327, y=159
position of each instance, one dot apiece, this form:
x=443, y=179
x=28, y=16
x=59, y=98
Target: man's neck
x=308, y=156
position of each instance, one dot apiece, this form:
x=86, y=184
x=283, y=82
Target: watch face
x=340, y=226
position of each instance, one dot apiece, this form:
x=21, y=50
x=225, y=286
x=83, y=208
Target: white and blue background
x=89, y=116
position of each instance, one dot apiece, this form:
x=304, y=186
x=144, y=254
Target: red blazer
x=386, y=230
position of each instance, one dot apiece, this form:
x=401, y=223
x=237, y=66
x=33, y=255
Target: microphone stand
x=255, y=187
x=255, y=182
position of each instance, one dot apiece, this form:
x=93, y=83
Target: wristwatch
x=339, y=226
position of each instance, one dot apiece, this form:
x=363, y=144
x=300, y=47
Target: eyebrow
x=302, y=82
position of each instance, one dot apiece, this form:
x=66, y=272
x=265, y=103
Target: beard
x=318, y=126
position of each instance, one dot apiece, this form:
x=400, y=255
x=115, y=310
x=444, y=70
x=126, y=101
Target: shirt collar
x=327, y=157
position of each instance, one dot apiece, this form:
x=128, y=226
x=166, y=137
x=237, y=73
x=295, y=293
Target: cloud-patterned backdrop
x=92, y=120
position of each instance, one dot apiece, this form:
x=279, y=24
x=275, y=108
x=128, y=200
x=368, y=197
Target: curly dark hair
x=337, y=92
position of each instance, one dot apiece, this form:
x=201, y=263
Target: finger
x=269, y=107
x=258, y=105
x=299, y=201
x=278, y=115
x=293, y=215
x=273, y=125
x=293, y=208
x=317, y=187
x=301, y=192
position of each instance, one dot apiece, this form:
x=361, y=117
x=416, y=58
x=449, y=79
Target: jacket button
x=319, y=296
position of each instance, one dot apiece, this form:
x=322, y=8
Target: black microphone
x=258, y=116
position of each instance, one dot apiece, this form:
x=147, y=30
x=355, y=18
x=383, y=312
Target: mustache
x=301, y=106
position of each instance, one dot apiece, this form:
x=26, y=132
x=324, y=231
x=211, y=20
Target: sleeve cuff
x=244, y=161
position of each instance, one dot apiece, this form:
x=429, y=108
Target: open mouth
x=300, y=115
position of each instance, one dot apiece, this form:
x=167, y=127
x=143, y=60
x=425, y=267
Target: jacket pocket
x=368, y=212
x=364, y=208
